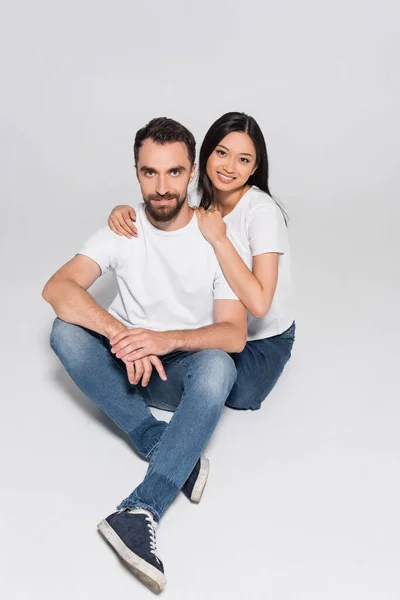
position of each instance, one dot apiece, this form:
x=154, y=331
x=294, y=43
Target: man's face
x=164, y=173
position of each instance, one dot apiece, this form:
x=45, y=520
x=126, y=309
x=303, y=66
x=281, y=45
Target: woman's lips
x=224, y=178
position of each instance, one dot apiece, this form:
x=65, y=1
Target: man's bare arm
x=229, y=333
x=67, y=292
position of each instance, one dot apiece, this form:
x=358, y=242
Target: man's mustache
x=165, y=197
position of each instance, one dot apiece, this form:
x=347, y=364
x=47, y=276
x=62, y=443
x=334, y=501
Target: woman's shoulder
x=259, y=202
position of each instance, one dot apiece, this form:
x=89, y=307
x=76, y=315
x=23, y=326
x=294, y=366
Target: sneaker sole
x=201, y=481
x=151, y=577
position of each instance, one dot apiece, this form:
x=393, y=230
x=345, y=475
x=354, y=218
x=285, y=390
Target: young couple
x=202, y=317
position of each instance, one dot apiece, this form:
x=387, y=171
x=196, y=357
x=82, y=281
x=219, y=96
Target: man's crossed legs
x=197, y=387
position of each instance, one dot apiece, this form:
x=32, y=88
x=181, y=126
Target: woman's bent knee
x=243, y=404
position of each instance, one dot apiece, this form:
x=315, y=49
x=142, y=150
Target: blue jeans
x=258, y=368
x=197, y=387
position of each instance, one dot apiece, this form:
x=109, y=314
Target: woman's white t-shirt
x=256, y=226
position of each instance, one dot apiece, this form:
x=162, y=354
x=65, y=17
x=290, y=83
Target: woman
x=248, y=231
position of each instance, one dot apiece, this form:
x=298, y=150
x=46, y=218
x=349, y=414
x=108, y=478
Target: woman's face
x=232, y=162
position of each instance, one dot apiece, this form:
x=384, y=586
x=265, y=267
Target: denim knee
x=69, y=341
x=216, y=373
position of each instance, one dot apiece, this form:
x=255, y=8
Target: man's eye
x=175, y=173
x=149, y=173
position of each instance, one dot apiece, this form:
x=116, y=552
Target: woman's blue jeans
x=196, y=390
x=258, y=368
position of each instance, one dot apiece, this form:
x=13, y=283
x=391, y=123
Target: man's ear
x=136, y=170
x=192, y=173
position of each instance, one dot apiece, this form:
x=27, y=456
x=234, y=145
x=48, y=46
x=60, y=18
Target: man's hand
x=143, y=368
x=134, y=344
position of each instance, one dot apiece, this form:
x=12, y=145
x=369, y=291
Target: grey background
x=302, y=501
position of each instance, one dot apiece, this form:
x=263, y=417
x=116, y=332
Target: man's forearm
x=75, y=305
x=224, y=336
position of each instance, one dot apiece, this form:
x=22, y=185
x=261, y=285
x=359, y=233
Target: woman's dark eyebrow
x=242, y=153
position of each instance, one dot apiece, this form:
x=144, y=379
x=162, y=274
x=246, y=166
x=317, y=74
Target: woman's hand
x=211, y=225
x=121, y=220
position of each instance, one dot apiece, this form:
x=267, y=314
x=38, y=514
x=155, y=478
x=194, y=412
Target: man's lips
x=162, y=200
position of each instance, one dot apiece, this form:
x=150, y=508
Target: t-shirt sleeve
x=266, y=229
x=222, y=290
x=105, y=248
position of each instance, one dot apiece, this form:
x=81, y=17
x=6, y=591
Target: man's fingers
x=147, y=371
x=125, y=347
x=159, y=367
x=137, y=355
x=130, y=369
x=123, y=334
x=139, y=369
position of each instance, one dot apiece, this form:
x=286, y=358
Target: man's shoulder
x=104, y=235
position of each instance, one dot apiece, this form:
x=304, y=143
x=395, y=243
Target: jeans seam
x=135, y=505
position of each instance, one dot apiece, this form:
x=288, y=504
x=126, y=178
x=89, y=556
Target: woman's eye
x=221, y=152
x=245, y=160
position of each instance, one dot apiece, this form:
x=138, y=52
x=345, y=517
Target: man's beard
x=163, y=214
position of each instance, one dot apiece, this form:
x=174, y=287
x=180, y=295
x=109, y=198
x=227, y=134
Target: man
x=173, y=302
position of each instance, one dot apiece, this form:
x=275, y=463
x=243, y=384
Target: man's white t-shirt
x=256, y=226
x=166, y=279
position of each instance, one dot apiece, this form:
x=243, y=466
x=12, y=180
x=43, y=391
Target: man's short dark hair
x=165, y=131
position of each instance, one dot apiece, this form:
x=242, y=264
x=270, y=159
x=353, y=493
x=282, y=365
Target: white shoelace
x=152, y=526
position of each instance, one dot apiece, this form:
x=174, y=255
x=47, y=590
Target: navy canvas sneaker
x=194, y=486
x=132, y=534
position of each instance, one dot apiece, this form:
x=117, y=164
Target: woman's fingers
x=121, y=220
x=124, y=228
x=115, y=226
x=131, y=227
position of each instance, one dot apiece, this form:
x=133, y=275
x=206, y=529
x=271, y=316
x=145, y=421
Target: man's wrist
x=174, y=339
x=111, y=329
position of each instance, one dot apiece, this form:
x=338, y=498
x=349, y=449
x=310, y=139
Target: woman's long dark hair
x=234, y=121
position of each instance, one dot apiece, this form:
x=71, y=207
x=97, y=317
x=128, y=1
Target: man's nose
x=162, y=186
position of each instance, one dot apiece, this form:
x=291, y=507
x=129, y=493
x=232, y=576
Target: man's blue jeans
x=197, y=387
